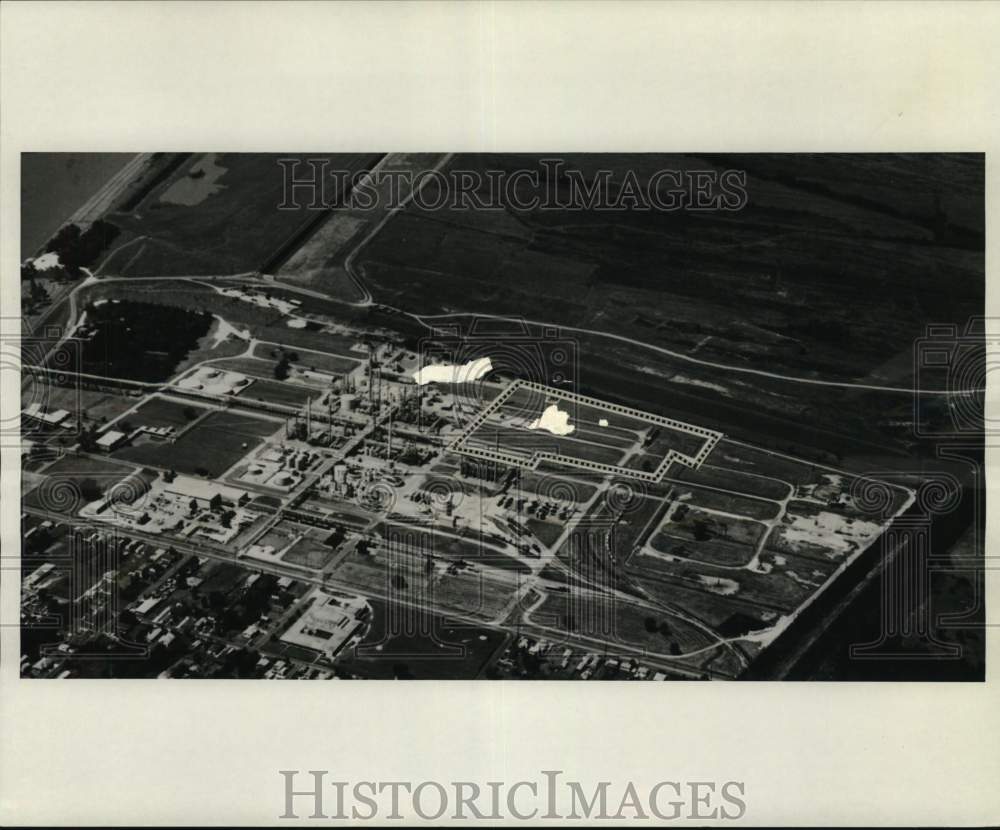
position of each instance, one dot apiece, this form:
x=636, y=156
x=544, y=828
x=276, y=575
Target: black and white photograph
x=639, y=417
x=594, y=402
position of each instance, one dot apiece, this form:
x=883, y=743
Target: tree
x=281, y=368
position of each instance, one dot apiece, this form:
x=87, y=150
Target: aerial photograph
x=455, y=416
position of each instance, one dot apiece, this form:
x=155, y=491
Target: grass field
x=73, y=481
x=91, y=404
x=566, y=485
x=637, y=274
x=339, y=361
x=473, y=593
x=546, y=532
x=521, y=442
x=727, y=502
x=467, y=549
x=618, y=622
x=712, y=551
x=427, y=646
x=309, y=552
x=228, y=222
x=209, y=449
x=273, y=391
x=157, y=411
x=729, y=479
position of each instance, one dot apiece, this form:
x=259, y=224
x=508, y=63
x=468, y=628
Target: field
x=510, y=429
x=426, y=646
x=73, y=481
x=469, y=549
x=157, y=411
x=310, y=551
x=605, y=619
x=339, y=361
x=217, y=213
x=272, y=391
x=92, y=405
x=211, y=448
x=756, y=538
x=640, y=275
x=471, y=593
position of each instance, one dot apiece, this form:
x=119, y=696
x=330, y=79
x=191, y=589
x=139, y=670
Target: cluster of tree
x=702, y=532
x=281, y=368
x=254, y=602
x=653, y=626
x=240, y=663
x=88, y=438
x=80, y=249
x=36, y=294
x=39, y=541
